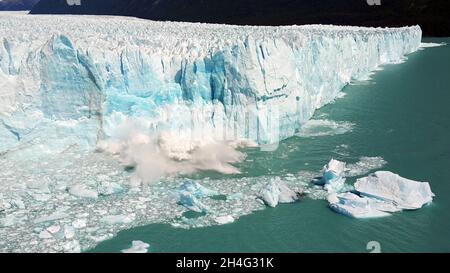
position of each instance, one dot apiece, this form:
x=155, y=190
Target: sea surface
x=401, y=114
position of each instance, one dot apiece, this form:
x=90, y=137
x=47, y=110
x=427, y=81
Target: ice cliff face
x=75, y=80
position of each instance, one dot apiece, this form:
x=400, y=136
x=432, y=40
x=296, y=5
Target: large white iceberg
x=381, y=194
x=389, y=187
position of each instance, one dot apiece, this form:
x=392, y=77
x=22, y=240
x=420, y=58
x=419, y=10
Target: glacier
x=74, y=86
x=72, y=80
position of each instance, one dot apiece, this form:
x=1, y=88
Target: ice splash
x=324, y=127
x=364, y=166
x=151, y=160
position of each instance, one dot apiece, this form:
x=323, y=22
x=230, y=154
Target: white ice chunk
x=429, y=45
x=404, y=193
x=333, y=179
x=110, y=188
x=190, y=193
x=189, y=201
x=137, y=247
x=356, y=207
x=117, y=219
x=54, y=229
x=69, y=231
x=79, y=223
x=223, y=220
x=276, y=192
x=82, y=191
x=196, y=189
x=8, y=221
x=72, y=247
x=45, y=235
x=53, y=217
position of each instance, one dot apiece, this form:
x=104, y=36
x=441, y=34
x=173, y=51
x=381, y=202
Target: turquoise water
x=402, y=115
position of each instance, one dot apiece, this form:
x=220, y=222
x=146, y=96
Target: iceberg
x=354, y=206
x=333, y=172
x=381, y=194
x=223, y=220
x=277, y=191
x=389, y=187
x=137, y=247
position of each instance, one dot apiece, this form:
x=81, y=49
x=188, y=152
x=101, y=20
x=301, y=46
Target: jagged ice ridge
x=75, y=79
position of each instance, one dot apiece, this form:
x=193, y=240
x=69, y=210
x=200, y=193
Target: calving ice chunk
x=381, y=194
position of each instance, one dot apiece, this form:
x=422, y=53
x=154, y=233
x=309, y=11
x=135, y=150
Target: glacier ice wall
x=73, y=80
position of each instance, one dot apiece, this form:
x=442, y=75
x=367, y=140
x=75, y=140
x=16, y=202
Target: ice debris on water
x=276, y=191
x=137, y=247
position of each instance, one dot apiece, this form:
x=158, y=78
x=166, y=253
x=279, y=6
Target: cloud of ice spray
x=169, y=154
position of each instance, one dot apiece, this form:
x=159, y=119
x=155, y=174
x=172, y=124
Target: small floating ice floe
x=223, y=220
x=109, y=188
x=50, y=218
x=381, y=194
x=137, y=247
x=117, y=219
x=333, y=180
x=190, y=193
x=276, y=192
x=82, y=191
x=79, y=223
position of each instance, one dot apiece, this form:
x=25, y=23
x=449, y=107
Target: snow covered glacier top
x=68, y=80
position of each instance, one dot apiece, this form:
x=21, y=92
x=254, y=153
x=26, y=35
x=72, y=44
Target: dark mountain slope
x=432, y=15
x=17, y=4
